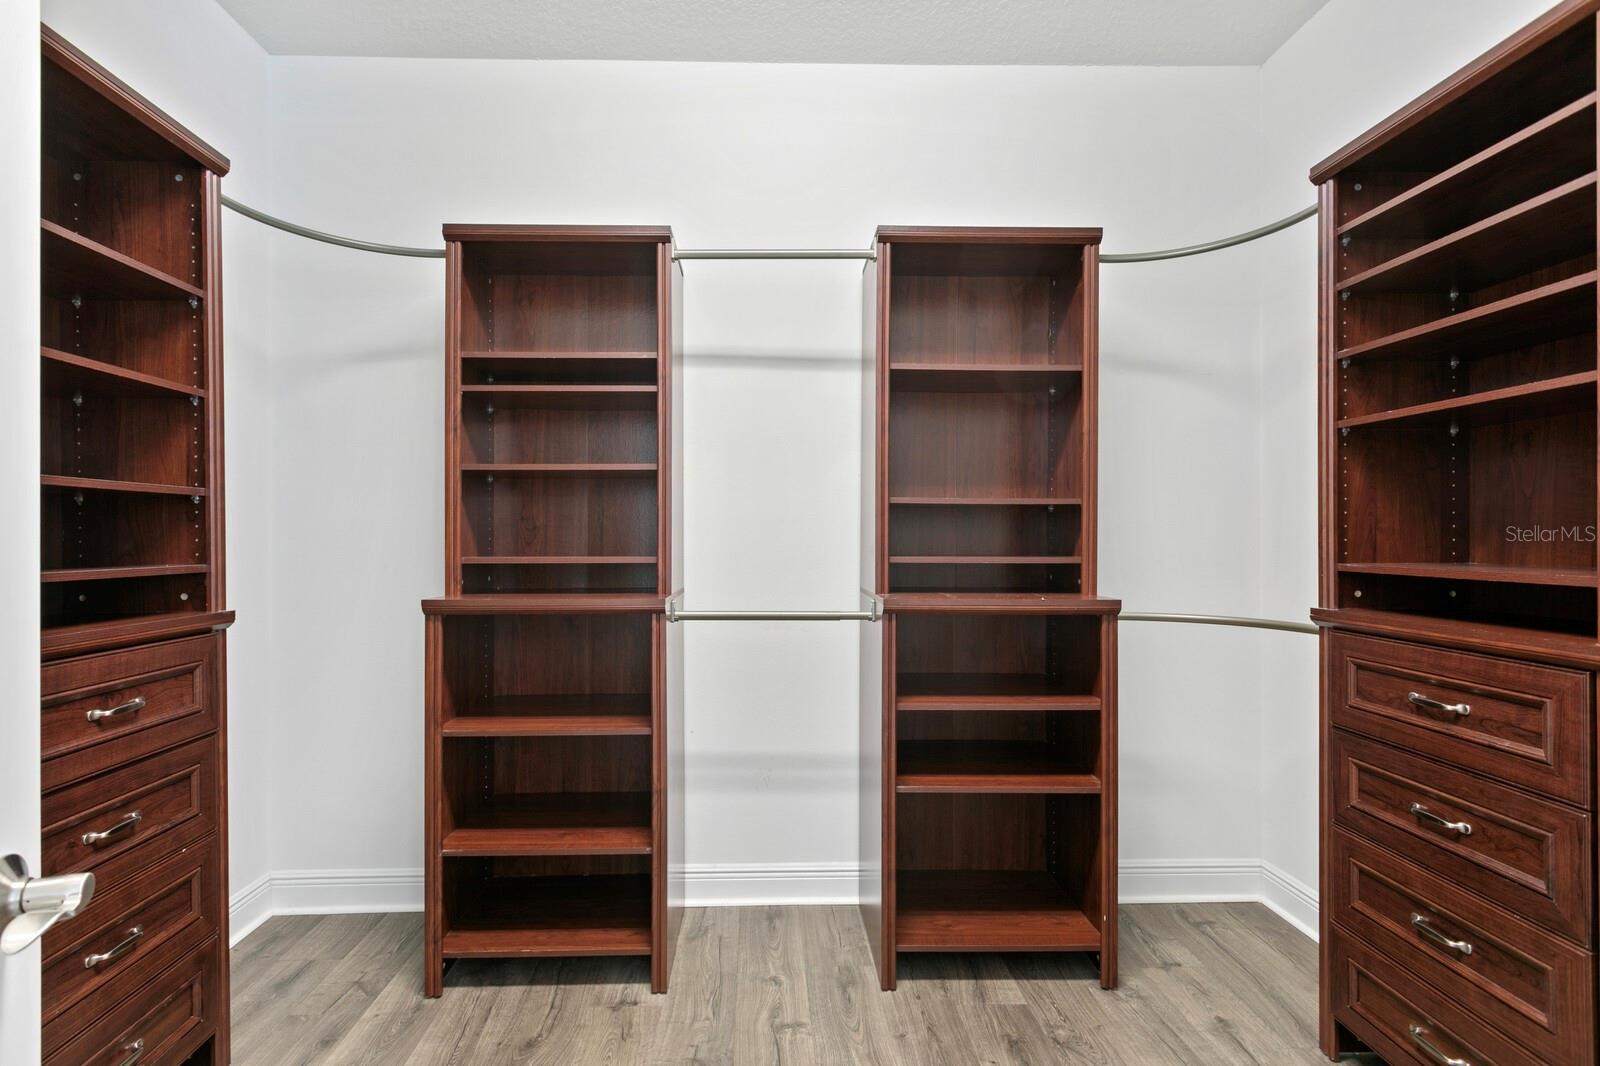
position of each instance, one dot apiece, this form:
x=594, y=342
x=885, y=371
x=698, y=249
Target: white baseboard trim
x=770, y=884
x=777, y=884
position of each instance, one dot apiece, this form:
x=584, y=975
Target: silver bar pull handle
x=1421, y=924
x=1419, y=1037
x=130, y=821
x=1428, y=703
x=124, y=946
x=135, y=1052
x=100, y=714
x=1464, y=828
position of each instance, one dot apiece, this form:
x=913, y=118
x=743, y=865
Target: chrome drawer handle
x=1421, y=925
x=135, y=1052
x=127, y=823
x=1419, y=1037
x=1464, y=828
x=100, y=714
x=135, y=935
x=1460, y=710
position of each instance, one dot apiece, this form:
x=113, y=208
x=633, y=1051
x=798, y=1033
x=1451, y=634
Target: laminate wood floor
x=1201, y=983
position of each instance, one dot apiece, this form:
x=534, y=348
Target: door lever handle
x=31, y=905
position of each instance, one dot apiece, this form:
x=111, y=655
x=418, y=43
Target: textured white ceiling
x=1075, y=32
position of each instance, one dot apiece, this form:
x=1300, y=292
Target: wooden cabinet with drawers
x=133, y=718
x=1459, y=598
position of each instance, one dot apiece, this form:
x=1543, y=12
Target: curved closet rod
x=763, y=253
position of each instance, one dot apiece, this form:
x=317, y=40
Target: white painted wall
x=194, y=62
x=1329, y=83
x=19, y=488
x=753, y=155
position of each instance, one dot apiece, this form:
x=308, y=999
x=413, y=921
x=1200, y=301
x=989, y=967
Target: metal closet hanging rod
x=682, y=254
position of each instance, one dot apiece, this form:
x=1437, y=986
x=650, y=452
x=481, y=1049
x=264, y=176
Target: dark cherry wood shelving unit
x=988, y=726
x=132, y=608
x=1459, y=595
x=554, y=740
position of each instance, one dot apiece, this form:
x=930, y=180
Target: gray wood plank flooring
x=1210, y=983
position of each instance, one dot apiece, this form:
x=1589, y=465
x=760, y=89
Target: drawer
x=88, y=824
x=1528, y=854
x=162, y=1025
x=101, y=711
x=1524, y=724
x=142, y=925
x=1404, y=1020
x=1527, y=983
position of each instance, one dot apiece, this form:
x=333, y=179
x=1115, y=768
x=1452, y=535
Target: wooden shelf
x=1517, y=575
x=978, y=377
x=92, y=484
x=986, y=560
x=1001, y=603
x=561, y=823
x=559, y=357
x=609, y=715
x=1561, y=309
x=117, y=573
x=550, y=916
x=981, y=501
x=987, y=766
x=989, y=910
x=986, y=692
x=562, y=469
x=1520, y=166
x=1533, y=400
x=75, y=265
x=63, y=373
x=558, y=560
x=571, y=397
x=1540, y=232
x=513, y=603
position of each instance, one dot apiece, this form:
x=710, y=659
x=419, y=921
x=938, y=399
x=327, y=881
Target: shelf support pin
x=77, y=300
x=1344, y=364
x=1356, y=186
x=77, y=498
x=77, y=399
x=194, y=401
x=1344, y=242
x=195, y=500
x=1344, y=431
x=1344, y=297
x=1455, y=428
x=194, y=302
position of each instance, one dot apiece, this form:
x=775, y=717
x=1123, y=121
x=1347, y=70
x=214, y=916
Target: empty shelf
x=988, y=910
x=1520, y=575
x=553, y=715
x=93, y=484
x=979, y=501
x=988, y=766
x=63, y=373
x=986, y=692
x=1564, y=308
x=558, y=560
x=986, y=560
x=564, y=823
x=577, y=397
x=75, y=265
x=114, y=573
x=534, y=917
x=977, y=377
x=1540, y=232
x=562, y=469
x=1535, y=399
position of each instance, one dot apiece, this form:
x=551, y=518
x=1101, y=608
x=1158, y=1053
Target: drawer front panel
x=101, y=711
x=1527, y=854
x=1404, y=1020
x=144, y=924
x=1525, y=724
x=163, y=1023
x=88, y=824
x=1526, y=982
